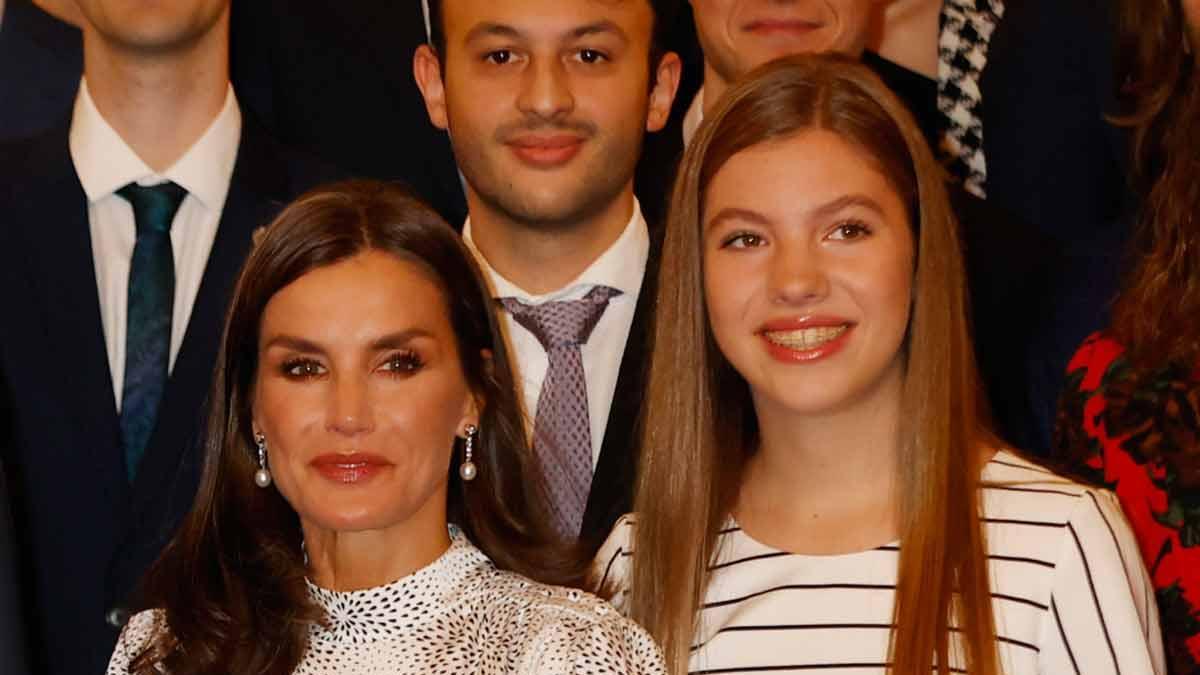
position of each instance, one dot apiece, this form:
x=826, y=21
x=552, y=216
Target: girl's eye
x=743, y=240
x=403, y=363
x=847, y=231
x=499, y=57
x=302, y=368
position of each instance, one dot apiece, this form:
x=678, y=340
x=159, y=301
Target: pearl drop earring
x=262, y=477
x=467, y=471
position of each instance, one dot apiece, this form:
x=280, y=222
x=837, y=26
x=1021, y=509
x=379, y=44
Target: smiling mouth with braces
x=804, y=339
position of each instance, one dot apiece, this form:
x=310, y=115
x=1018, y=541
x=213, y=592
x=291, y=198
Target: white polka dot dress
x=458, y=615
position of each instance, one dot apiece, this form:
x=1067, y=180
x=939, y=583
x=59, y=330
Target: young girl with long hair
x=817, y=490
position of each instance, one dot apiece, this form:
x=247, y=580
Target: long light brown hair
x=1157, y=316
x=701, y=425
x=231, y=582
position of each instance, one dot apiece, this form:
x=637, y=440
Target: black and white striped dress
x=1070, y=592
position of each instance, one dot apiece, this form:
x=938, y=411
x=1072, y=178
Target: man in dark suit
x=12, y=628
x=546, y=103
x=41, y=57
x=334, y=79
x=121, y=234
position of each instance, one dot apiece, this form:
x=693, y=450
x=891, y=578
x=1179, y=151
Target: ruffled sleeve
x=604, y=643
x=135, y=637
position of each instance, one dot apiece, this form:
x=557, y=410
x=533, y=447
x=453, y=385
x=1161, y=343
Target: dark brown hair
x=1157, y=316
x=700, y=414
x=231, y=583
x=665, y=13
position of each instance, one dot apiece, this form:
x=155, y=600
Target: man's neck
x=63, y=10
x=540, y=261
x=907, y=35
x=159, y=104
x=714, y=87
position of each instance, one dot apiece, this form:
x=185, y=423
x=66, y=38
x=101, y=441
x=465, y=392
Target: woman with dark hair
x=817, y=489
x=369, y=502
x=1130, y=412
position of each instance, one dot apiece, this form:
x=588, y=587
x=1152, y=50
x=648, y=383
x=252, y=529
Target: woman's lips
x=349, y=469
x=546, y=152
x=805, y=340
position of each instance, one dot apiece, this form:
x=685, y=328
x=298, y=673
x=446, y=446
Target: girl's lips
x=808, y=343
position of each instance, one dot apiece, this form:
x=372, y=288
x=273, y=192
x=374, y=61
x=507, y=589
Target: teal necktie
x=148, y=325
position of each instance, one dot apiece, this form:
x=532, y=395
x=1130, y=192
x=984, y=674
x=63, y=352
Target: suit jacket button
x=117, y=617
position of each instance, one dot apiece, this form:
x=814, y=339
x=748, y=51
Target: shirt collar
x=105, y=162
x=622, y=266
x=693, y=118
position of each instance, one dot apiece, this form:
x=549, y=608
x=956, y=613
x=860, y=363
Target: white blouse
x=458, y=615
x=1069, y=591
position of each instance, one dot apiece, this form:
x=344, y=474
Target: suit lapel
x=55, y=229
x=613, y=482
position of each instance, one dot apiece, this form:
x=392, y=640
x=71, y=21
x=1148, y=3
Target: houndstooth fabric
x=966, y=32
x=562, y=437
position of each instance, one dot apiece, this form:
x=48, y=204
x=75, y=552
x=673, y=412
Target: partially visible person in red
x=1130, y=413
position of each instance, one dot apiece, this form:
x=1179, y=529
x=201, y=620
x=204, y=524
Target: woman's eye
x=303, y=368
x=499, y=57
x=847, y=231
x=743, y=240
x=403, y=363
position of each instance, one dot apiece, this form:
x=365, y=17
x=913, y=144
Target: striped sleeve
x=1102, y=617
x=611, y=567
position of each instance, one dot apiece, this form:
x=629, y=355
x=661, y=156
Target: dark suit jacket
x=41, y=60
x=86, y=534
x=616, y=471
x=12, y=623
x=1056, y=162
x=334, y=79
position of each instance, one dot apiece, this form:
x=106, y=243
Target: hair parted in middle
x=700, y=426
x=245, y=606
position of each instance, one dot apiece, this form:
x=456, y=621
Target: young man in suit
x=546, y=103
x=121, y=235
x=41, y=57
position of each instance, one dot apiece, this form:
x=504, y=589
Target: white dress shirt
x=621, y=267
x=105, y=163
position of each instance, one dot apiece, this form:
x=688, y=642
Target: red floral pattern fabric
x=1137, y=431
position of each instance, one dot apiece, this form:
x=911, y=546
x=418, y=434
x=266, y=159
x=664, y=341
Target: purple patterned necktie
x=562, y=437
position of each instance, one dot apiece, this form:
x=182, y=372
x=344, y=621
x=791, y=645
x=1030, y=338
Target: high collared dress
x=458, y=615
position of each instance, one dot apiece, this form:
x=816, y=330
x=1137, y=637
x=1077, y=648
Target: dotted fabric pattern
x=458, y=615
x=967, y=27
x=562, y=437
